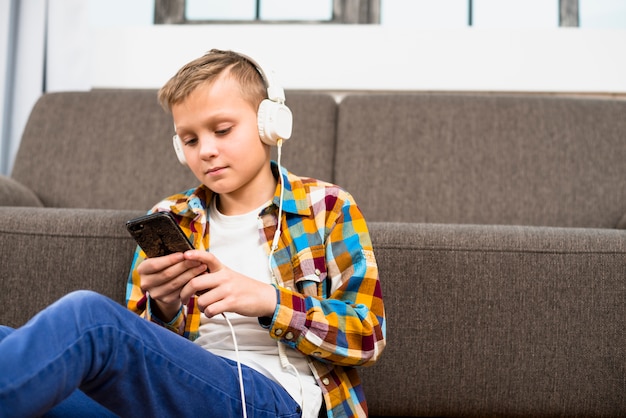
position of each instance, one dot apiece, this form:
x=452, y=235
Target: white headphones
x=274, y=119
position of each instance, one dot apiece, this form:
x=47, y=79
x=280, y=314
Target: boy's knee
x=84, y=300
x=82, y=296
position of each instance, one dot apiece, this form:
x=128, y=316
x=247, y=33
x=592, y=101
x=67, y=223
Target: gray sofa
x=499, y=225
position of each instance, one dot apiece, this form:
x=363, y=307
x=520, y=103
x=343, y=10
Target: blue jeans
x=131, y=366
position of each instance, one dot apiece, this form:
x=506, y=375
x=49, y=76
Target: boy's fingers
x=212, y=263
x=156, y=264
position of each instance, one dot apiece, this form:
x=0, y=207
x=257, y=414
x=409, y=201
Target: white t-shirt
x=236, y=242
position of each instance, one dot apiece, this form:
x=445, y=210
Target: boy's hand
x=224, y=290
x=164, y=277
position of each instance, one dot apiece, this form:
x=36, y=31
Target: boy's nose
x=208, y=146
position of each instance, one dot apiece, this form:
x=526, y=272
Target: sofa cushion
x=500, y=321
x=109, y=149
x=112, y=149
x=491, y=159
x=46, y=253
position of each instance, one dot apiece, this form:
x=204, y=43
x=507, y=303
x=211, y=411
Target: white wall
x=374, y=57
x=68, y=46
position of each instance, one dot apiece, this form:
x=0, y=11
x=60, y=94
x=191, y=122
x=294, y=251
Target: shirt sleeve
x=346, y=325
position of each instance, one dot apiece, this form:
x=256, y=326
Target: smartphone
x=158, y=234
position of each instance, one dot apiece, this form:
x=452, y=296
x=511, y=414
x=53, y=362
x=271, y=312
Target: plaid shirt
x=330, y=305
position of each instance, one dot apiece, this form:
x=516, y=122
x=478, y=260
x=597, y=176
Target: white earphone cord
x=239, y=372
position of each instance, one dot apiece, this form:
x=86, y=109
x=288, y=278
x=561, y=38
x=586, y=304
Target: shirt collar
x=194, y=203
x=295, y=196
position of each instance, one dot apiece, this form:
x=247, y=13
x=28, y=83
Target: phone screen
x=158, y=234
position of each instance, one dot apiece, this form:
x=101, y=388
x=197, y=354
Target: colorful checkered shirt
x=330, y=305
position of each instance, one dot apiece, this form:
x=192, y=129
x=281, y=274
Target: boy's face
x=218, y=129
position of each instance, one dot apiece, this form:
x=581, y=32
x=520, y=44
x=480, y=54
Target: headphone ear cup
x=274, y=121
x=178, y=147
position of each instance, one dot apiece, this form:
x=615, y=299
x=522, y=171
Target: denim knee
x=85, y=298
x=84, y=304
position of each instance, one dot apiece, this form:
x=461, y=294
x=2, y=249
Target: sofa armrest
x=46, y=253
x=13, y=193
x=500, y=321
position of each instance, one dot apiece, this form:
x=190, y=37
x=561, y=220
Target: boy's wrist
x=271, y=301
x=266, y=320
x=165, y=313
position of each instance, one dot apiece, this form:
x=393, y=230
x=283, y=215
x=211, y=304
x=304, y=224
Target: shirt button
x=318, y=272
x=289, y=335
x=317, y=354
x=278, y=332
x=325, y=381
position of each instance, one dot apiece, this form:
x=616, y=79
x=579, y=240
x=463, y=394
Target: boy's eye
x=223, y=131
x=190, y=141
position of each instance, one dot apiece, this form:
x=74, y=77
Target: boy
x=286, y=261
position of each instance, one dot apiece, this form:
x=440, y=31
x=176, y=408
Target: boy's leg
x=77, y=405
x=126, y=363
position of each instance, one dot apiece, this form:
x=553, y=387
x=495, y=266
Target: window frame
x=344, y=11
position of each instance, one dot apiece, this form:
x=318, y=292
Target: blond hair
x=207, y=69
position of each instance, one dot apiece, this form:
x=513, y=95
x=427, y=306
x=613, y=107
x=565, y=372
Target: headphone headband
x=274, y=92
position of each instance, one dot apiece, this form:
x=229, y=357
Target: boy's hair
x=207, y=69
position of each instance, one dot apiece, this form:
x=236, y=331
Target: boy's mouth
x=215, y=170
